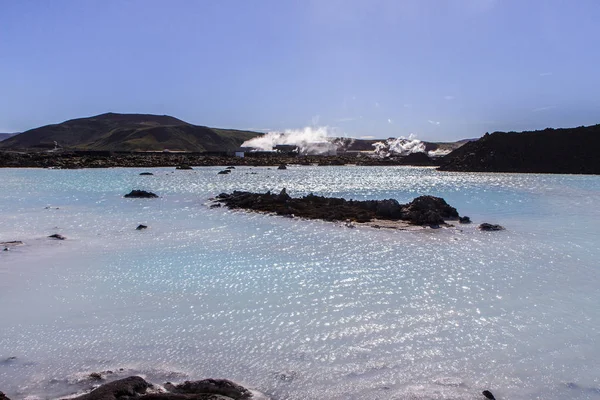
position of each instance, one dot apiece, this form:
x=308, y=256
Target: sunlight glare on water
x=301, y=309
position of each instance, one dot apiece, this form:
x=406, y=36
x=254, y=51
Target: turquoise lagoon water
x=301, y=309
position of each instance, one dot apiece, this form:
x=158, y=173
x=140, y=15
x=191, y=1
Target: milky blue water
x=301, y=309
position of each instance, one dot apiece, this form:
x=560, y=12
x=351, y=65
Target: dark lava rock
x=11, y=243
x=183, y=166
x=140, y=194
x=146, y=173
x=429, y=210
x=122, y=388
x=3, y=396
x=222, y=387
x=140, y=227
x=488, y=395
x=95, y=376
x=282, y=166
x=224, y=172
x=464, y=220
x=217, y=205
x=230, y=167
x=424, y=210
x=490, y=227
x=420, y=159
x=57, y=236
x=535, y=151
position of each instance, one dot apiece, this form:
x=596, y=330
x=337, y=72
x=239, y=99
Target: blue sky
x=441, y=69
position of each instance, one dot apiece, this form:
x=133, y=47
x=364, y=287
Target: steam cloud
x=309, y=140
x=404, y=146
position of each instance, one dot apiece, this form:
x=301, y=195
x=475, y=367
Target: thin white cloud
x=345, y=119
x=449, y=97
x=433, y=122
x=545, y=73
x=543, y=108
x=390, y=121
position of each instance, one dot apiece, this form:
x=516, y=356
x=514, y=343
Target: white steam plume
x=309, y=140
x=404, y=146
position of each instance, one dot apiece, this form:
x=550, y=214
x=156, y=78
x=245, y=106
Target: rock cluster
x=135, y=386
x=424, y=210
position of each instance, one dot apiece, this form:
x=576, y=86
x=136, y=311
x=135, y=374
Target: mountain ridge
x=129, y=132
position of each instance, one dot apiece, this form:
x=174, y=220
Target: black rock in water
x=57, y=236
x=146, y=173
x=282, y=166
x=183, y=166
x=222, y=387
x=3, y=396
x=95, y=376
x=490, y=227
x=488, y=395
x=464, y=220
x=140, y=194
x=230, y=167
x=123, y=388
x=224, y=172
x=140, y=227
x=424, y=210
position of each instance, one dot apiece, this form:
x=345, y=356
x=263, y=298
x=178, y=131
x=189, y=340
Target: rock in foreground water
x=128, y=387
x=135, y=386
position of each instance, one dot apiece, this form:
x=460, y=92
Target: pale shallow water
x=301, y=309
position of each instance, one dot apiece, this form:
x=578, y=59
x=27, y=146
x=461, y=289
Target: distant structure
x=287, y=148
x=241, y=151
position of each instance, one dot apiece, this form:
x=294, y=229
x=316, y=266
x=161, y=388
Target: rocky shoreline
x=205, y=389
x=76, y=160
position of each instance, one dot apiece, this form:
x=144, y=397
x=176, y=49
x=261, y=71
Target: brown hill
x=129, y=132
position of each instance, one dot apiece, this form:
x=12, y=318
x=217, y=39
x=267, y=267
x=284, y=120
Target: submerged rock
x=282, y=166
x=222, y=387
x=57, y=236
x=230, y=167
x=11, y=243
x=490, y=227
x=140, y=194
x=146, y=173
x=122, y=388
x=224, y=172
x=140, y=227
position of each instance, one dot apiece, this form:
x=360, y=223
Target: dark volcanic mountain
x=129, y=132
x=566, y=151
x=4, y=136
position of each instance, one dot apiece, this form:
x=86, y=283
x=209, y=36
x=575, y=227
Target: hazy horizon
x=443, y=71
